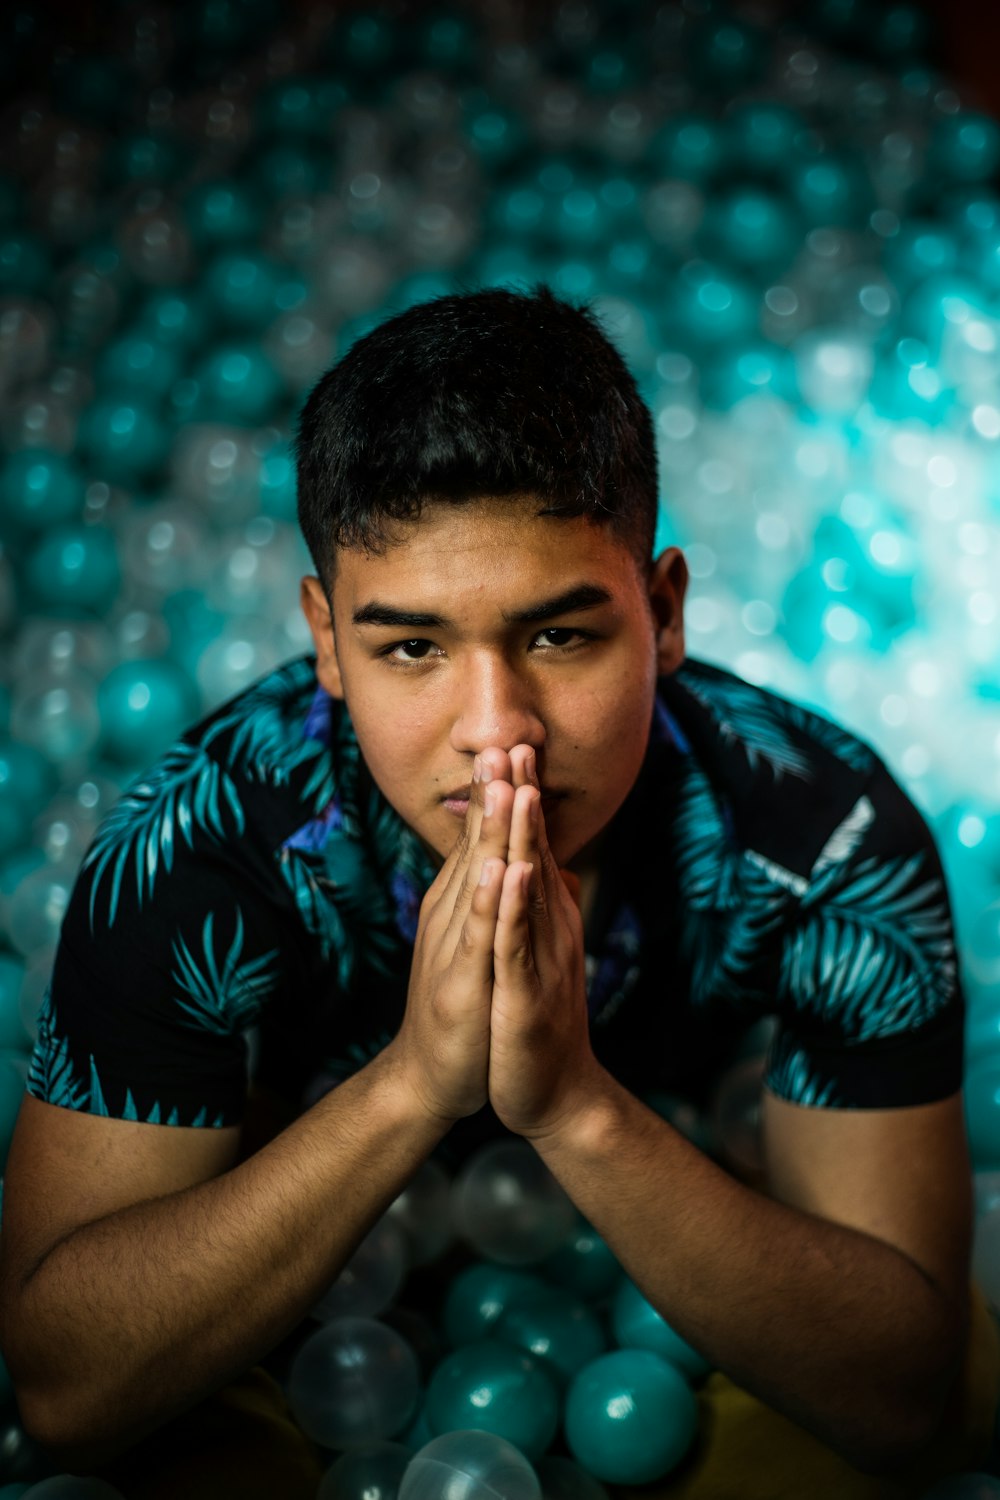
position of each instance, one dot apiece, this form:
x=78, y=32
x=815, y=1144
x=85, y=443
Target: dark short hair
x=491, y=392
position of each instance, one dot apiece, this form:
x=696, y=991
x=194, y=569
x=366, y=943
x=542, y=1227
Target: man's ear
x=319, y=615
x=668, y=579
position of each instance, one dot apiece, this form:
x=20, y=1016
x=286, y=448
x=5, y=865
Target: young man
x=510, y=863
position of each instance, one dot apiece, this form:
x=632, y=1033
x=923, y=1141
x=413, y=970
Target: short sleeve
x=870, y=1003
x=171, y=943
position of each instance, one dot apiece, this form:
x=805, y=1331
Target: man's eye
x=556, y=635
x=414, y=650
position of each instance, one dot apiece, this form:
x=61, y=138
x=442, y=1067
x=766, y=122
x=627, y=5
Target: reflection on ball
x=469, y=1466
x=630, y=1417
x=509, y=1207
x=493, y=1388
x=353, y=1382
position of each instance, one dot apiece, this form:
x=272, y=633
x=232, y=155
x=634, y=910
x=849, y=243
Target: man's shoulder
x=232, y=787
x=789, y=775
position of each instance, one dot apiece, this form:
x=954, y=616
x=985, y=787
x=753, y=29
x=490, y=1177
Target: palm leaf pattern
x=51, y=1075
x=846, y=747
x=706, y=860
x=746, y=714
x=185, y=790
x=227, y=999
x=264, y=725
x=792, y=1076
x=728, y=951
x=872, y=953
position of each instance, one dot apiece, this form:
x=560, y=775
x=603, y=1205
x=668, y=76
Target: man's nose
x=496, y=706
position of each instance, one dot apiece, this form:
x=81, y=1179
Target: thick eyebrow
x=584, y=596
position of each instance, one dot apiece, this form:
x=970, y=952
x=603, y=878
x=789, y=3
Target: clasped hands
x=496, y=1007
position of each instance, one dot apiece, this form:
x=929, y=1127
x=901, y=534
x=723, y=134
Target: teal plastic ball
x=830, y=190
x=558, y=1330
x=965, y=147
x=123, y=439
x=584, y=1264
x=690, y=146
x=174, y=319
x=27, y=782
x=222, y=212
x=138, y=363
x=630, y=1417
x=490, y=1387
x=480, y=1294
x=25, y=263
x=144, y=706
x=145, y=156
x=981, y=1092
x=75, y=569
x=637, y=1325
x=247, y=290
x=236, y=383
x=300, y=106
x=469, y=1466
x=710, y=306
x=762, y=135
x=752, y=369
x=751, y=227
x=38, y=489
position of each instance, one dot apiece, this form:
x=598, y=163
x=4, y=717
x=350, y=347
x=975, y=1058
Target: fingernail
x=484, y=874
x=530, y=767
x=489, y=802
x=526, y=880
x=477, y=769
x=536, y=803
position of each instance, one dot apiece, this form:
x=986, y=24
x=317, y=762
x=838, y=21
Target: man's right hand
x=443, y=1044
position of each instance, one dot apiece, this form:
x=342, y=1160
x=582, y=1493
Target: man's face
x=487, y=624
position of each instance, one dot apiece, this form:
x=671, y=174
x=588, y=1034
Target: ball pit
x=794, y=238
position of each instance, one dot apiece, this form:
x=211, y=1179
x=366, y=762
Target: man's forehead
x=512, y=541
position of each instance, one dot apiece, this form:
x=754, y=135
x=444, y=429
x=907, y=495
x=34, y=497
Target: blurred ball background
x=787, y=217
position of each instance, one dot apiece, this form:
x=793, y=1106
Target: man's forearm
x=834, y=1328
x=134, y=1317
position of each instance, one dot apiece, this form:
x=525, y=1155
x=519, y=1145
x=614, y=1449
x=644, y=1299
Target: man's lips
x=457, y=801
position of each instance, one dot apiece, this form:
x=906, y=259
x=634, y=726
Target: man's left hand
x=541, y=1064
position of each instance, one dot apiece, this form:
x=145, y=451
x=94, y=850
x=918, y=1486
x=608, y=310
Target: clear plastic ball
x=215, y=468
x=256, y=566
x=370, y=1474
x=73, y=647
x=469, y=1466
x=37, y=905
x=735, y=1115
x=509, y=1207
x=986, y=1253
x=243, y=651
x=25, y=336
x=155, y=242
x=166, y=545
x=57, y=714
x=371, y=1278
x=423, y=1212
x=352, y=1383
